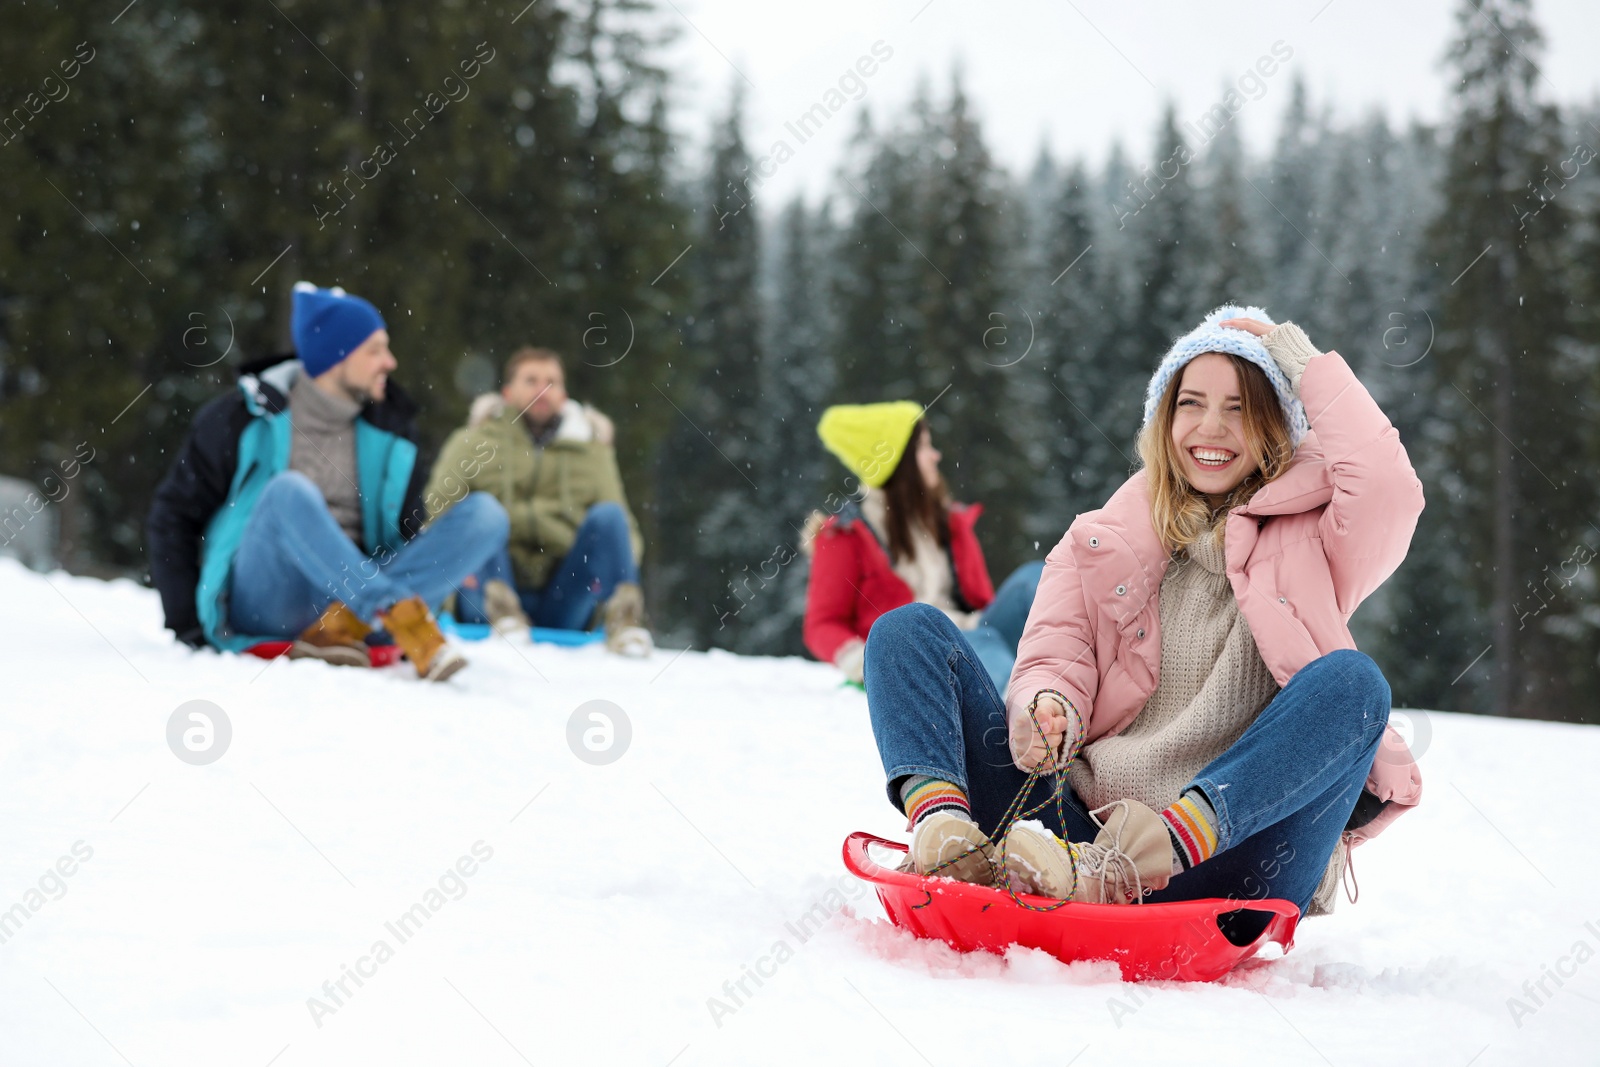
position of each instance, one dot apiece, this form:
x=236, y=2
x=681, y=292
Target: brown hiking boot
x=504, y=609
x=623, y=619
x=1129, y=858
x=411, y=625
x=336, y=637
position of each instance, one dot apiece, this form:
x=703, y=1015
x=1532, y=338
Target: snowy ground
x=616, y=901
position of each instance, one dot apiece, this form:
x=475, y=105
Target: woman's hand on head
x=1250, y=326
x=1286, y=343
x=1028, y=747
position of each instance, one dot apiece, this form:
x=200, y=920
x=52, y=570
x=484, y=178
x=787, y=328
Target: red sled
x=377, y=655
x=1180, y=941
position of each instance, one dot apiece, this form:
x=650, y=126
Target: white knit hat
x=1209, y=336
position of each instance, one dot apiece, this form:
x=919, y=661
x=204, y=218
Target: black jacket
x=197, y=485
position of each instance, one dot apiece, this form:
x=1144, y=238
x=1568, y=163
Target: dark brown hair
x=529, y=354
x=910, y=500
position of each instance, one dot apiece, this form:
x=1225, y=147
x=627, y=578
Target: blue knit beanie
x=329, y=324
x=1209, y=336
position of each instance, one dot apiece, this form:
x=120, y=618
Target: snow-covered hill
x=379, y=872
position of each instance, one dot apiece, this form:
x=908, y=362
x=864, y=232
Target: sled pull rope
x=1053, y=765
x=1352, y=888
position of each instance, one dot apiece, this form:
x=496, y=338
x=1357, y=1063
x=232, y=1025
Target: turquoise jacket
x=239, y=442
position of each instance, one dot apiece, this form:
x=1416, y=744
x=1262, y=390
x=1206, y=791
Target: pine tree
x=797, y=476
x=1294, y=186
x=874, y=283
x=1117, y=246
x=1168, y=246
x=971, y=334
x=1379, y=317
x=712, y=532
x=1231, y=234
x=1093, y=386
x=1505, y=320
x=97, y=266
x=424, y=156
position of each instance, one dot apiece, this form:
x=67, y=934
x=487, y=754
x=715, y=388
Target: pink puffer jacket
x=1301, y=556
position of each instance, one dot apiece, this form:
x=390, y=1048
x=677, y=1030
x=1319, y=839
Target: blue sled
x=478, y=631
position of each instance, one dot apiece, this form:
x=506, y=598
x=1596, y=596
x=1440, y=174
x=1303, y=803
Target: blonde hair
x=1178, y=512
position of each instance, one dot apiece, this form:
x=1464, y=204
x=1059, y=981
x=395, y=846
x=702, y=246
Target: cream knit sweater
x=927, y=571
x=1212, y=686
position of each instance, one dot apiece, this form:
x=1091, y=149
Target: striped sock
x=1192, y=825
x=923, y=796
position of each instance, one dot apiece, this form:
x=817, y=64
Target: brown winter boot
x=504, y=609
x=411, y=625
x=1129, y=858
x=336, y=637
x=623, y=619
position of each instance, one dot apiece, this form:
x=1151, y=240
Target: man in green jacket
x=574, y=545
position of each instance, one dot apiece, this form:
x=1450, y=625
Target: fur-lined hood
x=846, y=515
x=579, y=422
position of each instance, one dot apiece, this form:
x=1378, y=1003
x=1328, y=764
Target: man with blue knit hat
x=294, y=508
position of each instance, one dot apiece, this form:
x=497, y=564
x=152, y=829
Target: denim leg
x=433, y=564
x=1007, y=614
x=601, y=558
x=469, y=598
x=1284, y=791
x=294, y=560
x=936, y=711
x=1000, y=628
x=1285, y=861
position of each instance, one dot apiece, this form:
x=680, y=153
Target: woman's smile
x=1212, y=459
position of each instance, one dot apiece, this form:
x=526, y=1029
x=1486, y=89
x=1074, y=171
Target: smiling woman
x=1219, y=435
x=1186, y=682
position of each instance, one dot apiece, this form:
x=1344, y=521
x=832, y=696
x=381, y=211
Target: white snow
x=619, y=899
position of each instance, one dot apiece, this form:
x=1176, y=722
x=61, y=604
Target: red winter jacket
x=852, y=582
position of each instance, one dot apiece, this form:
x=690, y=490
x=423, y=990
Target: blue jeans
x=601, y=557
x=998, y=631
x=1282, y=793
x=294, y=560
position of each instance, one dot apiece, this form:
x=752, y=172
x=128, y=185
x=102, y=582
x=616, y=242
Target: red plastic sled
x=1177, y=941
x=378, y=655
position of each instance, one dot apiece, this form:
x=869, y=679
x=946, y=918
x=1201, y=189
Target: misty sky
x=1076, y=74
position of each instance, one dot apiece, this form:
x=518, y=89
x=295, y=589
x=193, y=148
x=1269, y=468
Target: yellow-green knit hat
x=869, y=439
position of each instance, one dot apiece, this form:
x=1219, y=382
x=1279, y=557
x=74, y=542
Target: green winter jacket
x=546, y=490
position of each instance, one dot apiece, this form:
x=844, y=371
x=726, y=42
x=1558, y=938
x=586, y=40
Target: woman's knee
x=1361, y=671
x=1358, y=674
x=912, y=624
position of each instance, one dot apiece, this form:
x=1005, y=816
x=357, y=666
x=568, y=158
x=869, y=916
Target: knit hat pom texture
x=1212, y=336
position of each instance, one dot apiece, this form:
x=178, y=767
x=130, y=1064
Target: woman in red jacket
x=904, y=542
x=1188, y=667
